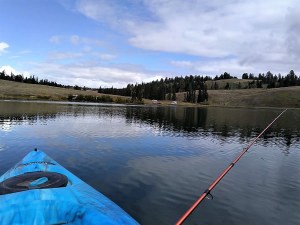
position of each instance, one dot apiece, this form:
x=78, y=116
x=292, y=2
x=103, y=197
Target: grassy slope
x=277, y=97
x=15, y=90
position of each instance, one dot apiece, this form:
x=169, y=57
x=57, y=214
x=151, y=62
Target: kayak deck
x=76, y=203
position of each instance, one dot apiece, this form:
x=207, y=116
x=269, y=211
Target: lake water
x=155, y=161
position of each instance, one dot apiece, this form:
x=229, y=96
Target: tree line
x=165, y=89
x=274, y=81
x=193, y=86
x=30, y=80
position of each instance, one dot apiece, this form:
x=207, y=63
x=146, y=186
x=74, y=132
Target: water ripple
x=155, y=161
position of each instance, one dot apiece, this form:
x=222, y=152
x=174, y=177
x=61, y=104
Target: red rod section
x=207, y=192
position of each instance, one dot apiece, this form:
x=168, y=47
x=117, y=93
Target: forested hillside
x=194, y=88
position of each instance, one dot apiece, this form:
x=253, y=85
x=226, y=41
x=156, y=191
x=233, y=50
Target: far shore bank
x=183, y=104
x=288, y=97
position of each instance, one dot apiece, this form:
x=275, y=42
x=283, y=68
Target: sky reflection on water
x=155, y=161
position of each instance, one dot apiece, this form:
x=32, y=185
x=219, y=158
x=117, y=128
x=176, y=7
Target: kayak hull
x=77, y=203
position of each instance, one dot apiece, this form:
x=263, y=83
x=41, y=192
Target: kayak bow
x=38, y=190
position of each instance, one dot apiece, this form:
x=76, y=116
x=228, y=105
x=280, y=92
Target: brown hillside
x=16, y=90
x=276, y=97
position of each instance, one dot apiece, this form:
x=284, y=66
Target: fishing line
x=207, y=193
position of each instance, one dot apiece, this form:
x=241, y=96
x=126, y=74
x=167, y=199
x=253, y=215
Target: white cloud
x=74, y=39
x=101, y=10
x=23, y=52
x=104, y=56
x=55, y=39
x=244, y=34
x=86, y=53
x=185, y=64
x=216, y=67
x=293, y=32
x=86, y=74
x=3, y=47
x=90, y=41
x=214, y=28
x=236, y=68
x=206, y=37
x=91, y=75
x=64, y=55
x=9, y=69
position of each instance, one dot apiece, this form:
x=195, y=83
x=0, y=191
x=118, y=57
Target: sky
x=115, y=42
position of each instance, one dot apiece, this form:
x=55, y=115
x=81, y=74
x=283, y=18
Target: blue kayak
x=39, y=191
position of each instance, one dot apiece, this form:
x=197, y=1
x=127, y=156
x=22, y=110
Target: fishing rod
x=207, y=191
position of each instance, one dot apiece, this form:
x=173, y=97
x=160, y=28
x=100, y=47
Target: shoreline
x=191, y=105
x=286, y=97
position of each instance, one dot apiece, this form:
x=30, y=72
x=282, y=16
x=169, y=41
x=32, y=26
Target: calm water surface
x=154, y=162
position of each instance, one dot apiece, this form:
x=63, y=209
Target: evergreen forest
x=194, y=87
